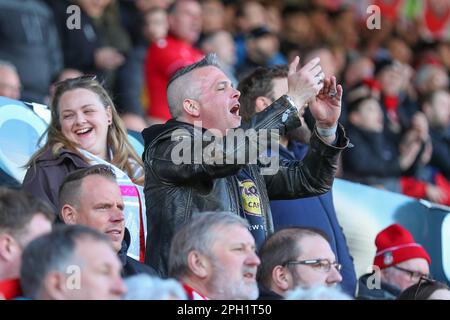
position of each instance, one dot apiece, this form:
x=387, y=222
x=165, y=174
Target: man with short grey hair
x=214, y=257
x=187, y=159
x=71, y=263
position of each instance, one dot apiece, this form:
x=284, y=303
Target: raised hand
x=326, y=106
x=305, y=83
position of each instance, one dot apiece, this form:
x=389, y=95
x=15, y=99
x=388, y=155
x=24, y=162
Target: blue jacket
x=317, y=212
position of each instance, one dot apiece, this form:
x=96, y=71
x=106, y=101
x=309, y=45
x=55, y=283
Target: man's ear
x=9, y=249
x=261, y=103
x=281, y=278
x=69, y=214
x=198, y=264
x=191, y=107
x=54, y=286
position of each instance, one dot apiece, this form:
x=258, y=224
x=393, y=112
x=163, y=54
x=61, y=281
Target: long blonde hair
x=117, y=139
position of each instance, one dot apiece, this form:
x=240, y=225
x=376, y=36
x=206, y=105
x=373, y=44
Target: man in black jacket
x=185, y=174
x=91, y=197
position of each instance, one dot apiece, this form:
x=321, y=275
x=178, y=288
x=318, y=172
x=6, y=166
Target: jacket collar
x=193, y=294
x=49, y=159
x=122, y=254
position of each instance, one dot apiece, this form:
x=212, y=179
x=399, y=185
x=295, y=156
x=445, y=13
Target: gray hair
x=181, y=86
x=198, y=235
x=145, y=287
x=7, y=64
x=53, y=252
x=317, y=293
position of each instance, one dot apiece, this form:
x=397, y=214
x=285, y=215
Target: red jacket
x=10, y=289
x=417, y=189
x=163, y=59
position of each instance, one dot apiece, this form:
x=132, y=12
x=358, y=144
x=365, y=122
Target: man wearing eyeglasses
x=401, y=263
x=296, y=257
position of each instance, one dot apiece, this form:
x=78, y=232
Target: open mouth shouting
x=235, y=110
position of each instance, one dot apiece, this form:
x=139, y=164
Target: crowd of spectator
x=155, y=66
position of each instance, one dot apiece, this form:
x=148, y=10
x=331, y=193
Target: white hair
x=317, y=293
x=145, y=287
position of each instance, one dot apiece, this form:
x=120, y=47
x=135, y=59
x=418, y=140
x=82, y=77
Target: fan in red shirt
x=166, y=56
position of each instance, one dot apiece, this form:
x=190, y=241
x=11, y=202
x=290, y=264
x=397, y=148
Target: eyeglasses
x=414, y=275
x=419, y=284
x=322, y=264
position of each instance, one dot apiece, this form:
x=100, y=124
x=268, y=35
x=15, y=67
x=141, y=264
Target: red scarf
x=389, y=9
x=10, y=288
x=435, y=24
x=193, y=294
x=391, y=104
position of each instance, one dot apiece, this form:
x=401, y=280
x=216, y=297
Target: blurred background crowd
x=392, y=58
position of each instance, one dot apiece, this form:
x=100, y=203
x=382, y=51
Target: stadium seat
x=364, y=211
x=20, y=131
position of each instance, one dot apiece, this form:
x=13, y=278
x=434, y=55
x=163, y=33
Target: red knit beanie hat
x=394, y=245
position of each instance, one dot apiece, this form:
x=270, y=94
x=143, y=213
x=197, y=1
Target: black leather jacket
x=131, y=267
x=174, y=193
